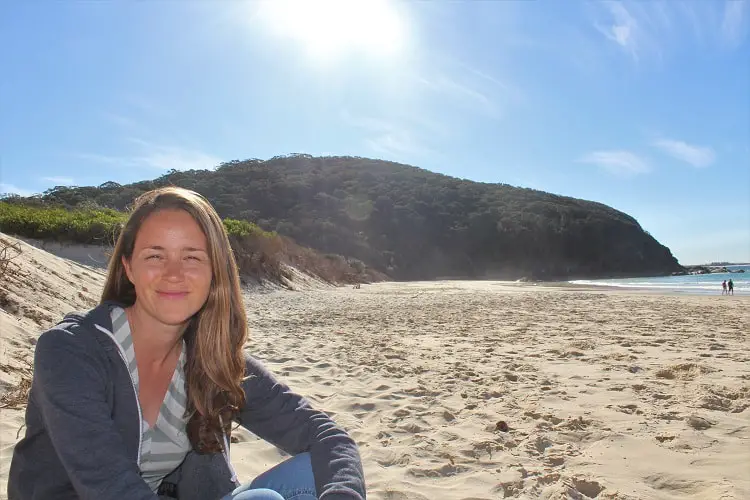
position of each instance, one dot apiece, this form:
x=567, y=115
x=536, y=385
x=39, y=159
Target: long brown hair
x=215, y=335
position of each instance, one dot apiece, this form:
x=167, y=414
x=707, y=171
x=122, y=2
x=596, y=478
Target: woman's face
x=170, y=267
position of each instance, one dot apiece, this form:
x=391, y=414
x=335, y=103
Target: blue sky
x=643, y=106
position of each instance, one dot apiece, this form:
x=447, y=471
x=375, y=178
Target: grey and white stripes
x=164, y=445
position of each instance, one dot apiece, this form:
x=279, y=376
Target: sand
x=484, y=390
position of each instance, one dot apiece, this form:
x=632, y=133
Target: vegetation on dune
x=411, y=223
x=54, y=223
x=8, y=251
x=260, y=254
x=243, y=228
x=86, y=225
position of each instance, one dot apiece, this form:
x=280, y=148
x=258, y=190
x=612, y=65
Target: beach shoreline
x=570, y=286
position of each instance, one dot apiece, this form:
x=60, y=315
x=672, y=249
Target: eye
x=154, y=257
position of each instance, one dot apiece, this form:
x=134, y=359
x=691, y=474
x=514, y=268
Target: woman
x=135, y=399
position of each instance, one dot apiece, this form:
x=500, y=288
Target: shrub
x=95, y=226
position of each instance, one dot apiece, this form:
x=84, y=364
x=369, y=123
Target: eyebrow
x=186, y=249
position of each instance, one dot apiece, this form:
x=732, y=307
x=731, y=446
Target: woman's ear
x=128, y=270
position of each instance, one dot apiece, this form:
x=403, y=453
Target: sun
x=330, y=28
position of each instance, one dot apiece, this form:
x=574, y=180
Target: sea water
x=700, y=283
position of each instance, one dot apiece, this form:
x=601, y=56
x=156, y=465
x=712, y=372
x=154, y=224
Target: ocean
x=708, y=284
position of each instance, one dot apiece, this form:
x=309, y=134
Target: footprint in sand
x=698, y=423
x=577, y=424
x=401, y=495
x=360, y=407
x=669, y=416
x=664, y=439
x=281, y=360
x=297, y=369
x=629, y=409
x=683, y=371
x=446, y=470
x=670, y=482
x=554, y=461
x=509, y=489
x=660, y=396
x=587, y=487
x=539, y=445
x=724, y=399
x=394, y=458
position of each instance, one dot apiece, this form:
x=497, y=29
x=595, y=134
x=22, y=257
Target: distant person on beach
x=135, y=399
x=730, y=286
x=724, y=287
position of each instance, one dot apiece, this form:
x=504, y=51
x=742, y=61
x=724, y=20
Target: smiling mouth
x=172, y=295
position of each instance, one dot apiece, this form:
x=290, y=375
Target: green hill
x=411, y=223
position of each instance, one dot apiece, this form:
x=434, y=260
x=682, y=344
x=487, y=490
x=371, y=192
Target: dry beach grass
x=604, y=394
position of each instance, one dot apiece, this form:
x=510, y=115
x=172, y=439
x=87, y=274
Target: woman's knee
x=294, y=473
x=257, y=494
x=293, y=479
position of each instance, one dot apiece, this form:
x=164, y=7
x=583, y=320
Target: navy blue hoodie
x=83, y=426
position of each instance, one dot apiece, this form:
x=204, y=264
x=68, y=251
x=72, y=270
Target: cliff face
x=414, y=224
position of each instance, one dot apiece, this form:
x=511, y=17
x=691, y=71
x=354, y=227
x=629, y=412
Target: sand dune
x=482, y=390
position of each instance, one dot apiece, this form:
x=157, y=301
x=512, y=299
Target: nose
x=173, y=270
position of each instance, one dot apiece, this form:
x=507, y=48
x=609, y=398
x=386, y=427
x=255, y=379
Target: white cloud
x=502, y=90
x=647, y=30
x=449, y=86
x=441, y=98
x=398, y=144
x=624, y=25
x=621, y=163
x=157, y=157
x=11, y=189
x=625, y=29
x=697, y=156
x=464, y=93
x=389, y=138
x=167, y=158
x=59, y=181
x=734, y=22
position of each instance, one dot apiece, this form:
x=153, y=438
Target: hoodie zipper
x=225, y=451
x=135, y=390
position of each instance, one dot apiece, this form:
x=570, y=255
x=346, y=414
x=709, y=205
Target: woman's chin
x=174, y=314
x=174, y=320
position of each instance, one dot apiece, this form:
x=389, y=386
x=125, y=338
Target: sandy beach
x=478, y=390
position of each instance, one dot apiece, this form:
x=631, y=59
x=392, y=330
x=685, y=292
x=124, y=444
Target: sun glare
x=329, y=28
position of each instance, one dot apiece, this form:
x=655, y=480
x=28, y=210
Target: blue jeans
x=290, y=480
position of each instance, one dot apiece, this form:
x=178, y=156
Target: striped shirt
x=163, y=446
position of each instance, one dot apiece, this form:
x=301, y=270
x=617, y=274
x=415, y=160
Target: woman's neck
x=154, y=342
